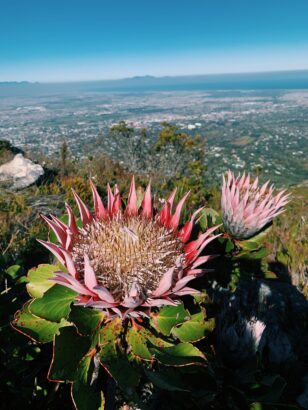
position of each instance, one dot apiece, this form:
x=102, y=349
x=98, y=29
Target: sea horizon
x=285, y=79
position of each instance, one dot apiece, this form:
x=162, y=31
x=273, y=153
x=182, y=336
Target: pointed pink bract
x=131, y=208
x=100, y=211
x=246, y=207
x=132, y=300
x=85, y=214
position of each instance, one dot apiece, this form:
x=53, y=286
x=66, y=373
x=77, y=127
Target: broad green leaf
x=54, y=304
x=85, y=393
x=182, y=354
x=110, y=331
x=270, y=275
x=34, y=327
x=255, y=242
x=229, y=246
x=201, y=298
x=68, y=350
x=168, y=317
x=248, y=245
x=167, y=380
x=118, y=365
x=255, y=406
x=86, y=320
x=192, y=331
x=261, y=253
x=13, y=271
x=137, y=338
x=39, y=279
x=199, y=316
x=259, y=238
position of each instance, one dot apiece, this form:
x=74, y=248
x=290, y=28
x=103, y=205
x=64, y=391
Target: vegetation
x=196, y=372
x=7, y=151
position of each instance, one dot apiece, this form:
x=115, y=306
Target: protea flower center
x=126, y=261
x=127, y=250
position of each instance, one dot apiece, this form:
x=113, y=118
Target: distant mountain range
x=265, y=80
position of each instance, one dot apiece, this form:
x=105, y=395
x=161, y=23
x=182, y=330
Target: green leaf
x=85, y=394
x=251, y=246
x=68, y=350
x=86, y=320
x=13, y=271
x=270, y=275
x=110, y=331
x=259, y=238
x=255, y=406
x=39, y=279
x=199, y=316
x=137, y=338
x=166, y=380
x=182, y=354
x=36, y=328
x=261, y=253
x=208, y=218
x=229, y=246
x=54, y=304
x=192, y=331
x=118, y=365
x=248, y=245
x=255, y=242
x=168, y=317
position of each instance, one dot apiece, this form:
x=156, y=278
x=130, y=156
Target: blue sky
x=53, y=40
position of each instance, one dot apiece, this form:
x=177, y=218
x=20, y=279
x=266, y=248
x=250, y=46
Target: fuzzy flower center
x=127, y=250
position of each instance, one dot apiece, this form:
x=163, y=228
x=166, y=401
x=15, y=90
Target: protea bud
x=126, y=261
x=246, y=207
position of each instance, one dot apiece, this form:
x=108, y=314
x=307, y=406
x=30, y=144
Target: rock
x=268, y=317
x=46, y=204
x=20, y=172
x=265, y=320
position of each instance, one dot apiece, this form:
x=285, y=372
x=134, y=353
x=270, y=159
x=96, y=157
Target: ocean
x=283, y=80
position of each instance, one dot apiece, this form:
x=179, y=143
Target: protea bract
x=246, y=207
x=125, y=261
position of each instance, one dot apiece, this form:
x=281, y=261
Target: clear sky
x=59, y=40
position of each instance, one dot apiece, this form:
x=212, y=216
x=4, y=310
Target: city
x=263, y=131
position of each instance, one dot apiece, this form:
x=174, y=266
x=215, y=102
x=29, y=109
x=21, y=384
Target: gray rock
x=20, y=172
x=265, y=319
x=268, y=317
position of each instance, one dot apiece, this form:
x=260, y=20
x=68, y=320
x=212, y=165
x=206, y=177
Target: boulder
x=265, y=320
x=20, y=172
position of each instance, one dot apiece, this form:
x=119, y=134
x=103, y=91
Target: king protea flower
x=127, y=261
x=246, y=207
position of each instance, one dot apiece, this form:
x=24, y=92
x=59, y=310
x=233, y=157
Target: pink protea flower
x=127, y=261
x=246, y=207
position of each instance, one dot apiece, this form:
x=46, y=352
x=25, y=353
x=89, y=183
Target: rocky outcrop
x=265, y=319
x=20, y=172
